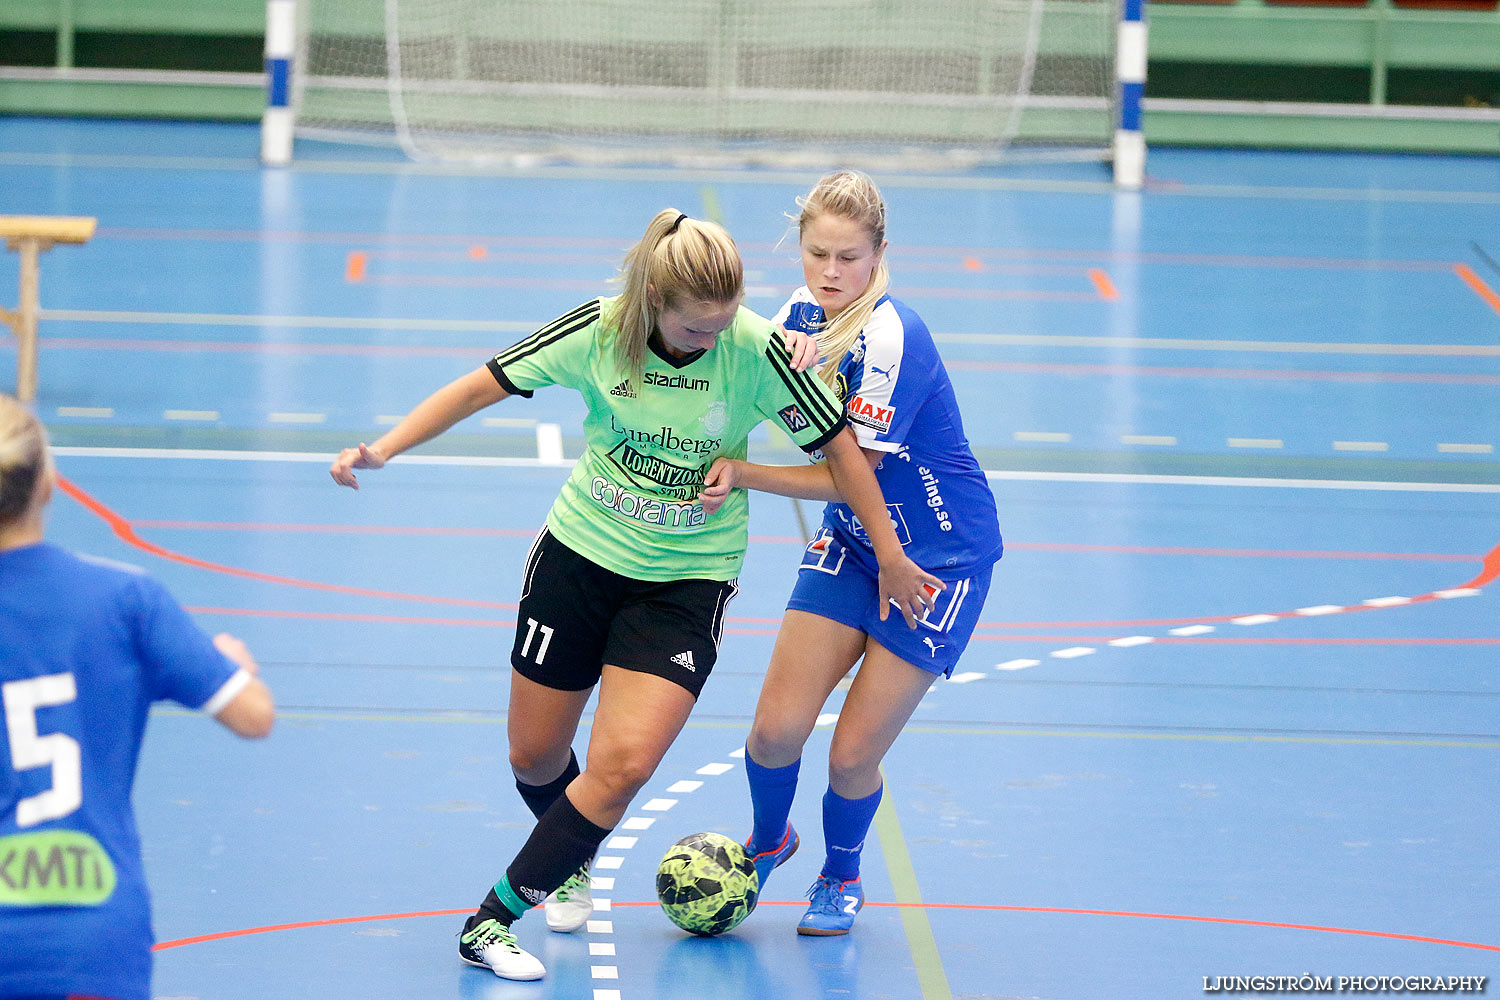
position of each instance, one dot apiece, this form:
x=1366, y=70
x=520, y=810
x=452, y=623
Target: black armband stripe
x=813, y=446
x=818, y=407
x=578, y=319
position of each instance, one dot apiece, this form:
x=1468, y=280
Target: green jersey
x=631, y=503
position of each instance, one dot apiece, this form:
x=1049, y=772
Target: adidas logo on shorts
x=623, y=389
x=684, y=659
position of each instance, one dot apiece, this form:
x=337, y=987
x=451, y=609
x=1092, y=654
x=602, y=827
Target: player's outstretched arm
x=251, y=712
x=458, y=399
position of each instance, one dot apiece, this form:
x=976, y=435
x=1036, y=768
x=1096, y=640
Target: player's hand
x=910, y=588
x=802, y=347
x=237, y=652
x=363, y=457
x=717, y=484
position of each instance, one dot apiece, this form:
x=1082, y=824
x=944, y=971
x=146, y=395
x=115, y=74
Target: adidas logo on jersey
x=623, y=389
x=684, y=660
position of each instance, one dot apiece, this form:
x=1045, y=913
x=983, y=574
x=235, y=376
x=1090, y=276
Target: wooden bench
x=31, y=235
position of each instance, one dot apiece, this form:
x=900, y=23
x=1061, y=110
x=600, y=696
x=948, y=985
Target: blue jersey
x=899, y=400
x=85, y=648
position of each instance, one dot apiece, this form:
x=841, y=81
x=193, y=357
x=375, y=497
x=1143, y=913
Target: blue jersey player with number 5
x=85, y=648
x=880, y=360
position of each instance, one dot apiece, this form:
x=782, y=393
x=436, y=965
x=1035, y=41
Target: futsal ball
x=706, y=884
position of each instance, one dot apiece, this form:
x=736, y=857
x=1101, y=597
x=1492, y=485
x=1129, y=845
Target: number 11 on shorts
x=532, y=628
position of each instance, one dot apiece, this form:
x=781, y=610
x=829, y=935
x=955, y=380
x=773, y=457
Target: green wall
x=1367, y=56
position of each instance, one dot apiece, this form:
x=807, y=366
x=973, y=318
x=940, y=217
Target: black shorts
x=576, y=616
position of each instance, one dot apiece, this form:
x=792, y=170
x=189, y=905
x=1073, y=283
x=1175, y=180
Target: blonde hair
x=848, y=194
x=24, y=460
x=679, y=259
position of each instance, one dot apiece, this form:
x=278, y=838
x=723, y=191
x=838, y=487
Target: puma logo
x=927, y=641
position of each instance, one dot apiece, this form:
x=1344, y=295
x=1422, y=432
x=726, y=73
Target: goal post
x=881, y=83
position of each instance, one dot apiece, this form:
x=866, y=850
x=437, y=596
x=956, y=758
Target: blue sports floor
x=1233, y=709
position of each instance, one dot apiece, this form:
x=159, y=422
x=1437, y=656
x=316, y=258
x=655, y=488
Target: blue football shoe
x=834, y=904
x=777, y=856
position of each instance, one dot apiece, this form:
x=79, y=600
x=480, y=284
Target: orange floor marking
x=1475, y=282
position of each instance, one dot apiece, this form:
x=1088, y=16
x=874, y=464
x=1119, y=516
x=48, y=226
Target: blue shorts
x=835, y=583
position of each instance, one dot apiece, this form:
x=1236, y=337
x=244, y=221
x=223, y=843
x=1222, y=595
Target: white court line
x=1017, y=664
x=1191, y=630
x=659, y=805
x=683, y=787
x=1253, y=619
x=232, y=455
x=708, y=174
x=426, y=324
x=620, y=843
x=601, y=948
x=715, y=769
x=1072, y=652
x=599, y=927
x=965, y=678
x=549, y=444
x=305, y=322
x=608, y=863
x=638, y=823
x=99, y=412
x=603, y=883
x=1125, y=642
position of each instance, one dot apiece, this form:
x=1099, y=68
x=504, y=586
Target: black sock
x=539, y=798
x=492, y=908
x=562, y=842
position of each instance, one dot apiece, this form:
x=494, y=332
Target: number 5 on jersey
x=532, y=628
x=22, y=699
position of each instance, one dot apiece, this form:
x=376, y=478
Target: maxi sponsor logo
x=863, y=411
x=647, y=510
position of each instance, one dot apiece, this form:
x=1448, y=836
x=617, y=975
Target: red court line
x=993, y=908
x=286, y=347
x=126, y=534
x=1251, y=640
x=1162, y=550
x=336, y=529
x=1475, y=282
x=619, y=246
x=354, y=267
x=1179, y=550
x=342, y=616
x=259, y=347
x=1269, y=374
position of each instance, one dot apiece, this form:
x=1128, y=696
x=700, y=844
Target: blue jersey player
x=880, y=360
x=85, y=648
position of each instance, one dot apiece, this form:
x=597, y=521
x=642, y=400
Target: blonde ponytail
x=848, y=194
x=679, y=259
x=23, y=459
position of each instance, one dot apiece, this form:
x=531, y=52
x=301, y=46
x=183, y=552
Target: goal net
x=711, y=81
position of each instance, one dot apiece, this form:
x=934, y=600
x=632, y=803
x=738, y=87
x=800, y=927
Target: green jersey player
x=627, y=584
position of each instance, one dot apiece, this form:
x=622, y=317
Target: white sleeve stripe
x=865, y=436
x=227, y=693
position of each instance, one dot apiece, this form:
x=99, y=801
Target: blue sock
x=845, y=823
x=771, y=793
